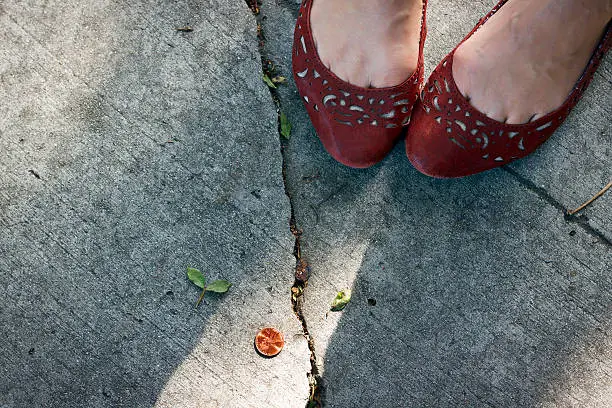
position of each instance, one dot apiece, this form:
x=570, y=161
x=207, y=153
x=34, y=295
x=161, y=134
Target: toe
x=434, y=151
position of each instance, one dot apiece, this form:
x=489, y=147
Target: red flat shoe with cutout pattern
x=357, y=126
x=450, y=138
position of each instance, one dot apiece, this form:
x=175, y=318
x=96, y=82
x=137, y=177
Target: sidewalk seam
x=580, y=220
x=302, y=269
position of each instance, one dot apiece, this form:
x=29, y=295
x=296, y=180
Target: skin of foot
x=524, y=61
x=368, y=43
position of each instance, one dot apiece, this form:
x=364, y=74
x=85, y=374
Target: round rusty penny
x=269, y=342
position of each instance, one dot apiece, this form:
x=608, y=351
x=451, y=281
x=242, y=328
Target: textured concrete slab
x=129, y=151
x=475, y=292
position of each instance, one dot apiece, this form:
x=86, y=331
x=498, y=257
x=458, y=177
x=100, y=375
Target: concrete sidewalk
x=130, y=150
x=472, y=292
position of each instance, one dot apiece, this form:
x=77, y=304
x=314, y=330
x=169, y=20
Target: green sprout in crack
x=285, y=126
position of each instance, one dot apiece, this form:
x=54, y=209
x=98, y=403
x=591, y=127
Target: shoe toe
x=358, y=146
x=429, y=148
x=358, y=126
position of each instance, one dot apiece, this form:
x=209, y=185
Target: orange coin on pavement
x=269, y=342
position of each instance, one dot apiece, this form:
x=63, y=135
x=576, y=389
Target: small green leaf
x=219, y=286
x=279, y=79
x=196, y=277
x=285, y=126
x=268, y=81
x=341, y=300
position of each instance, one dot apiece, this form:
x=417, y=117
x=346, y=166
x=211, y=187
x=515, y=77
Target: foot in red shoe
x=504, y=90
x=368, y=43
x=358, y=66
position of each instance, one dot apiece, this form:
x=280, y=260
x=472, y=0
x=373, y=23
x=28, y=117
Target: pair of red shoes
x=447, y=137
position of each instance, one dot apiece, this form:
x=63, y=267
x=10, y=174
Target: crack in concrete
x=580, y=220
x=302, y=269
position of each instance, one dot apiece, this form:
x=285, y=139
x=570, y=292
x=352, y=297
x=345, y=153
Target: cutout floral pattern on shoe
x=450, y=138
x=357, y=126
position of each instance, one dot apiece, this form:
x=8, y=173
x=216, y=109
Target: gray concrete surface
x=485, y=295
x=100, y=214
x=130, y=151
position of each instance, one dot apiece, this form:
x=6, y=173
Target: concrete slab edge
x=301, y=265
x=577, y=219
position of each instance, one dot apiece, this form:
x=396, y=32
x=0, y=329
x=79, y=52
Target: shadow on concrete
x=484, y=294
x=120, y=168
x=469, y=292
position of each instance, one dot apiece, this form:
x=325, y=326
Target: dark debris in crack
x=302, y=269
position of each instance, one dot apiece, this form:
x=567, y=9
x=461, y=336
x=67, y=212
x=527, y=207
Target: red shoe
x=357, y=126
x=450, y=138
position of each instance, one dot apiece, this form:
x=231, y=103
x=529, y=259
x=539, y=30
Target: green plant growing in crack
x=218, y=286
x=268, y=81
x=285, y=126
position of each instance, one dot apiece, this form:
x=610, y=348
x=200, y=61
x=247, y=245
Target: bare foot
x=368, y=43
x=525, y=60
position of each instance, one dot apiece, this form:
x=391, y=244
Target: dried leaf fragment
x=341, y=300
x=296, y=292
